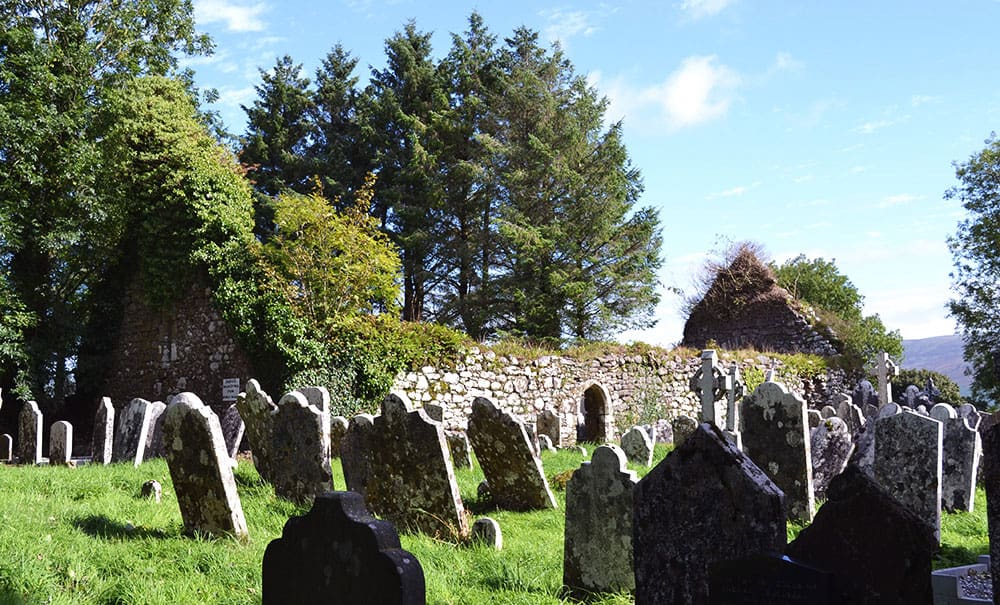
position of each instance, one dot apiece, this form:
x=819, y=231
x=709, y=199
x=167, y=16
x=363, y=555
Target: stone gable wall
x=631, y=382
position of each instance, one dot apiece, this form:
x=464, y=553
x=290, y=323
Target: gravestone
x=461, y=453
x=864, y=394
x=545, y=444
x=104, y=432
x=486, y=531
x=258, y=411
x=814, y=418
x=828, y=411
x=319, y=398
x=154, y=438
x=683, y=427
x=637, y=446
x=711, y=383
x=529, y=429
x=830, y=446
x=705, y=502
x=664, y=431
x=29, y=434
x=411, y=480
x=134, y=432
x=961, y=447
x=734, y=393
x=337, y=553
x=910, y=395
x=547, y=423
x=151, y=490
x=776, y=437
x=850, y=414
x=864, y=443
x=597, y=550
x=971, y=414
x=355, y=452
x=878, y=551
x=886, y=369
x=60, y=443
x=434, y=412
x=201, y=469
x=991, y=481
x=770, y=580
x=510, y=465
x=300, y=449
x=338, y=428
x=6, y=448
x=908, y=463
x=233, y=429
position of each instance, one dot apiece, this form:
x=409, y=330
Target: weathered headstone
x=776, y=437
x=814, y=417
x=515, y=475
x=461, y=452
x=411, y=480
x=597, y=551
x=851, y=414
x=337, y=553
x=864, y=394
x=134, y=432
x=664, y=431
x=961, y=448
x=545, y=444
x=104, y=432
x=547, y=423
x=734, y=393
x=864, y=443
x=886, y=369
x=683, y=426
x=705, y=502
x=355, y=452
x=910, y=395
x=991, y=481
x=529, y=429
x=200, y=469
x=258, y=411
x=637, y=446
x=908, y=463
x=828, y=411
x=830, y=446
x=29, y=434
x=319, y=398
x=486, y=531
x=338, y=428
x=233, y=429
x=300, y=449
x=878, y=551
x=434, y=412
x=60, y=443
x=971, y=414
x=6, y=448
x=770, y=579
x=154, y=437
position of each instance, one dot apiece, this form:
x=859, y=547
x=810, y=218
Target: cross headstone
x=355, y=452
x=337, y=553
x=257, y=411
x=886, y=369
x=776, y=437
x=736, y=391
x=597, y=550
x=705, y=502
x=961, y=448
x=200, y=469
x=710, y=383
x=60, y=443
x=104, y=432
x=510, y=465
x=830, y=446
x=300, y=449
x=547, y=423
x=411, y=480
x=908, y=463
x=29, y=434
x=6, y=448
x=637, y=446
x=879, y=551
x=683, y=426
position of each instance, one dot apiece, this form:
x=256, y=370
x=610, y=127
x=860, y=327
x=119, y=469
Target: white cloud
x=918, y=100
x=564, y=25
x=236, y=16
x=896, y=200
x=785, y=62
x=698, y=91
x=876, y=125
x=699, y=9
x=737, y=191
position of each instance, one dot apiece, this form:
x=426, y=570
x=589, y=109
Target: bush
x=950, y=392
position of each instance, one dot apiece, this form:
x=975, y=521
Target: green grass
x=86, y=536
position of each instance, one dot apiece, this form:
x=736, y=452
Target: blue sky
x=822, y=128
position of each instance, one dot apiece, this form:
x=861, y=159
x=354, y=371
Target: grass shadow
x=100, y=526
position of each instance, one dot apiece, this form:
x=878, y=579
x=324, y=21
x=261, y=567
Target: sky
x=820, y=128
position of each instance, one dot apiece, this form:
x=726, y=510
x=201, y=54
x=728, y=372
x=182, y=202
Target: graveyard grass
x=86, y=536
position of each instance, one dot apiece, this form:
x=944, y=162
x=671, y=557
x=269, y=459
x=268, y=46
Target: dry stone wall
x=621, y=386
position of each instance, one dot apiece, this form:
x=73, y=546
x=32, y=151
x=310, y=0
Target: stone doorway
x=594, y=418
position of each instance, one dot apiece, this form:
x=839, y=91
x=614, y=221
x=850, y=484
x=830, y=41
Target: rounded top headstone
x=396, y=406
x=943, y=412
x=609, y=456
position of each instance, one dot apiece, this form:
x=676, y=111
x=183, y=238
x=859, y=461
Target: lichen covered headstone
x=683, y=426
x=705, y=502
x=104, y=432
x=830, y=447
x=300, y=449
x=412, y=481
x=776, y=437
x=135, y=426
x=637, y=446
x=60, y=443
x=257, y=411
x=355, y=452
x=337, y=553
x=29, y=434
x=908, y=463
x=461, y=451
x=510, y=465
x=961, y=448
x=200, y=469
x=864, y=442
x=597, y=550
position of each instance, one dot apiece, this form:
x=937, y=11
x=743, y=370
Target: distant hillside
x=941, y=354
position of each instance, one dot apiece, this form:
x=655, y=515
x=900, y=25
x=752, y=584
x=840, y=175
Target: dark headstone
x=879, y=552
x=60, y=443
x=682, y=427
x=991, y=480
x=6, y=447
x=961, y=448
x=104, y=432
x=29, y=434
x=830, y=447
x=865, y=394
x=134, y=432
x=769, y=580
x=233, y=429
x=705, y=502
x=547, y=423
x=355, y=452
x=337, y=553
x=338, y=428
x=461, y=451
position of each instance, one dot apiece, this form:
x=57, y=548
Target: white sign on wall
x=230, y=389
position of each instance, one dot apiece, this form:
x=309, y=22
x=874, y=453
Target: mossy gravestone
x=355, y=452
x=908, y=463
x=300, y=449
x=136, y=424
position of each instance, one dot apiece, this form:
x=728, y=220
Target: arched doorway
x=594, y=418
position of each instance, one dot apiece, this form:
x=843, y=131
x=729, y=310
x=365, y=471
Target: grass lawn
x=85, y=535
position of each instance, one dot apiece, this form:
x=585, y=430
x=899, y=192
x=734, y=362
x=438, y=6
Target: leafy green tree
x=950, y=392
x=58, y=63
x=975, y=250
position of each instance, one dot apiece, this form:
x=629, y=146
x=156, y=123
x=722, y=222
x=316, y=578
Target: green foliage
x=975, y=250
x=950, y=392
x=14, y=319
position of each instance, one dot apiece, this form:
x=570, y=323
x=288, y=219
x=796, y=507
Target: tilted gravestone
x=961, y=448
x=991, y=481
x=461, y=451
x=233, y=429
x=830, y=446
x=257, y=411
x=355, y=452
x=683, y=427
x=705, y=502
x=337, y=553
x=411, y=480
x=864, y=442
x=770, y=579
x=60, y=443
x=638, y=447
x=6, y=448
x=300, y=449
x=338, y=428
x=29, y=434
x=510, y=465
x=878, y=551
x=154, y=438
x=908, y=463
x=135, y=425
x=776, y=437
x=597, y=550
x=547, y=423
x=201, y=469
x=104, y=432
x=851, y=414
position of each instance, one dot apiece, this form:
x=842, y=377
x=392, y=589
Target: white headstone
x=886, y=369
